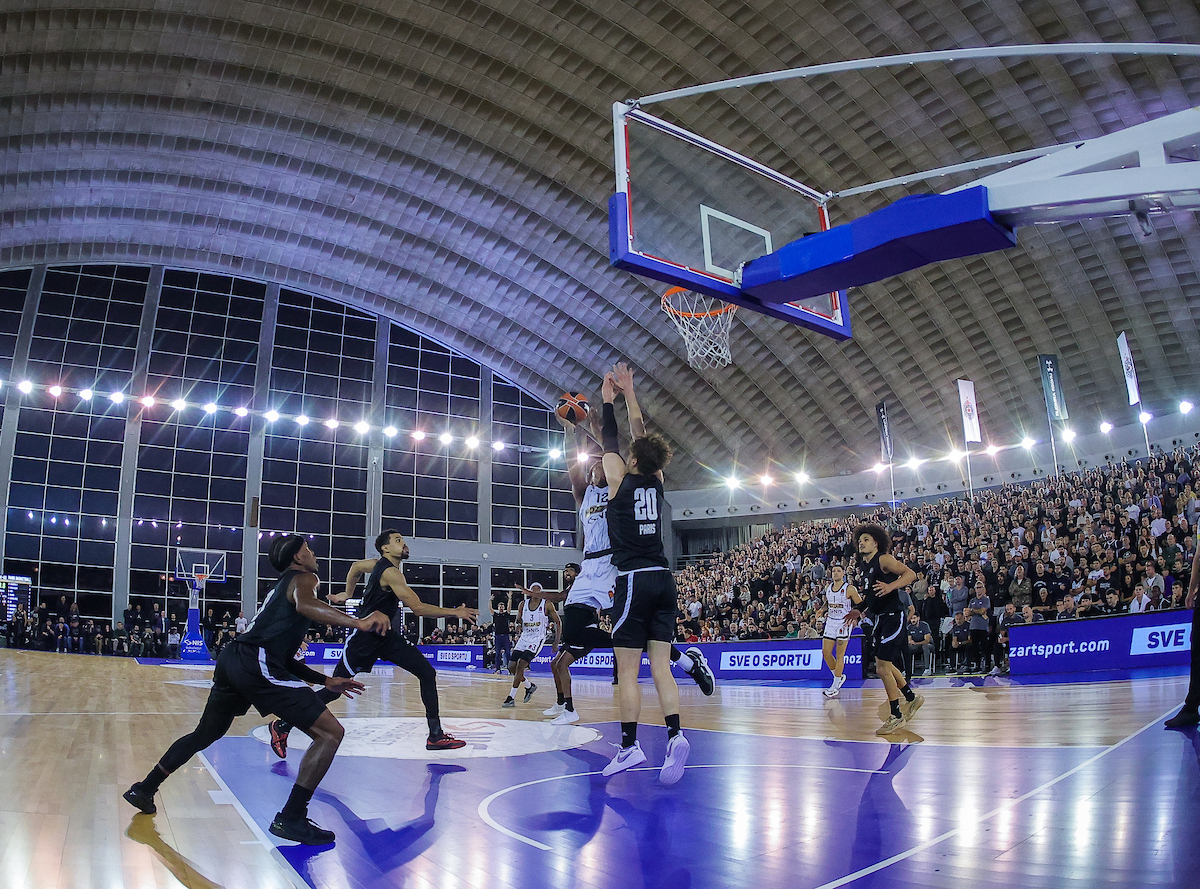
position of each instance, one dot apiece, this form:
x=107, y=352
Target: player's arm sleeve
x=304, y=672
x=608, y=430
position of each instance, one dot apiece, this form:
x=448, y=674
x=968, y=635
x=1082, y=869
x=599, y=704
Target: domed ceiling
x=449, y=164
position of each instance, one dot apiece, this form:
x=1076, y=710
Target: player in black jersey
x=260, y=668
x=386, y=590
x=883, y=576
x=645, y=597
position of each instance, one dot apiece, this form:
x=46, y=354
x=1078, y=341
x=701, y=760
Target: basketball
x=572, y=407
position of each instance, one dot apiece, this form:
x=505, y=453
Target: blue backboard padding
x=660, y=270
x=908, y=234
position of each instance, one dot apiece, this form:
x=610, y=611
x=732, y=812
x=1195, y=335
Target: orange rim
x=667, y=307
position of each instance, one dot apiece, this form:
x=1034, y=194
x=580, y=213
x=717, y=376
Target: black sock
x=435, y=726
x=896, y=710
x=562, y=699
x=154, y=780
x=908, y=693
x=570, y=704
x=628, y=734
x=297, y=804
x=672, y=725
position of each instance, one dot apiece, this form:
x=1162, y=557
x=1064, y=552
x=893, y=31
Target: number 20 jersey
x=635, y=523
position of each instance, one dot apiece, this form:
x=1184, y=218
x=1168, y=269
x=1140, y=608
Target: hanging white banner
x=1130, y=371
x=970, y=411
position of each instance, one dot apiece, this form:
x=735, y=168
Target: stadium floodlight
x=555, y=453
x=1027, y=443
x=765, y=480
x=331, y=423
x=86, y=394
x=1068, y=435
x=992, y=450
x=148, y=401
x=25, y=386
x=733, y=482
x=1106, y=427
x=472, y=441
x=583, y=457
x=362, y=427
x=210, y=408
x=55, y=391
x=390, y=431
x=241, y=412
x=1145, y=417
x=418, y=435
x=116, y=397
x=955, y=455
x=1185, y=407
x=914, y=463
x=879, y=467
x=271, y=416
x=446, y=438
x=498, y=446
x=301, y=420
x=178, y=404
x=801, y=478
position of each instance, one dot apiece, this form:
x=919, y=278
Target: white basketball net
x=704, y=323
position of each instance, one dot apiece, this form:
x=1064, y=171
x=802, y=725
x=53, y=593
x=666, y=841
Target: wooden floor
x=76, y=731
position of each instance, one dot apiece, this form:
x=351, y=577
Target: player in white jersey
x=840, y=597
x=534, y=616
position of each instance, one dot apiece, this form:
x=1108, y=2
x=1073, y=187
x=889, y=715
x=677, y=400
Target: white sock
x=686, y=663
x=527, y=683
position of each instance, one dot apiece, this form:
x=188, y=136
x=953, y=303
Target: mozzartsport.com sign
x=1120, y=642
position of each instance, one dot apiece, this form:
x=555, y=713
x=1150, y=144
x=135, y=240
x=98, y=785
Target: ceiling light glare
x=446, y=438
x=210, y=408
x=555, y=453
x=362, y=427
x=955, y=455
x=117, y=397
x=148, y=401
x=992, y=450
x=765, y=480
x=1185, y=407
x=914, y=463
x=331, y=423
x=732, y=482
x=271, y=416
x=86, y=394
x=1068, y=434
x=389, y=431
x=241, y=412
x=301, y=420
x=583, y=457
x=418, y=435
x=178, y=404
x=498, y=446
x=1106, y=427
x=879, y=467
x=25, y=386
x=57, y=391
x=1145, y=417
x=802, y=478
x=1027, y=443
x=471, y=442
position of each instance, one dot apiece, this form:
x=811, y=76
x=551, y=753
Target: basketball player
x=840, y=597
x=1189, y=714
x=882, y=576
x=589, y=589
x=260, y=668
x=645, y=598
x=534, y=615
x=386, y=590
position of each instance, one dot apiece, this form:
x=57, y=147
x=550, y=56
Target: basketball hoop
x=704, y=323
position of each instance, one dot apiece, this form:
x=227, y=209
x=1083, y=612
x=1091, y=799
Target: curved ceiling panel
x=449, y=164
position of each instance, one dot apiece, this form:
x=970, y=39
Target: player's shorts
x=889, y=637
x=245, y=675
x=836, y=628
x=581, y=631
x=595, y=583
x=363, y=650
x=527, y=648
x=645, y=605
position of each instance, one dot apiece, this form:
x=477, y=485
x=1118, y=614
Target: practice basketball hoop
x=704, y=323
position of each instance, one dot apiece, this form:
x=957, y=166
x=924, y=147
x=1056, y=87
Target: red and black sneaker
x=444, y=742
x=279, y=735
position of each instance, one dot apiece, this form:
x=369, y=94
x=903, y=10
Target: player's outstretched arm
x=395, y=581
x=576, y=470
x=614, y=466
x=623, y=377
x=357, y=570
x=304, y=595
